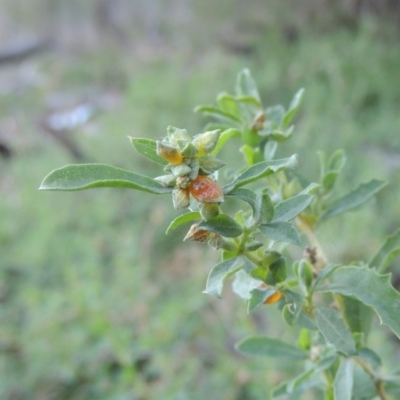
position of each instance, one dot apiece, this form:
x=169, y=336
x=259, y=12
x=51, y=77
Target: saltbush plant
x=331, y=304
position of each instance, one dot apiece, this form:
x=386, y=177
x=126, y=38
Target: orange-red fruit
x=205, y=190
x=273, y=298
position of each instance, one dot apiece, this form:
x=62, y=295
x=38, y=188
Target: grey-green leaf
x=389, y=250
x=354, y=199
x=260, y=170
x=217, y=113
x=288, y=209
x=264, y=210
x=246, y=86
x=183, y=219
x=293, y=107
x=335, y=331
x=147, y=148
x=220, y=273
x=264, y=346
x=223, y=225
x=87, y=176
x=223, y=138
x=281, y=231
x=343, y=383
x=371, y=288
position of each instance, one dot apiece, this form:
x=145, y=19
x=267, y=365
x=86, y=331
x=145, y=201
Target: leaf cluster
x=332, y=304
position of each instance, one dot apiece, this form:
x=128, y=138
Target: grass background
x=95, y=301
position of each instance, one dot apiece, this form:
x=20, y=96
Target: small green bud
x=305, y=273
x=180, y=198
x=175, y=135
x=206, y=142
x=194, y=164
x=210, y=164
x=181, y=170
x=208, y=210
x=189, y=150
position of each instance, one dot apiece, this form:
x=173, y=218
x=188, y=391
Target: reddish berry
x=205, y=190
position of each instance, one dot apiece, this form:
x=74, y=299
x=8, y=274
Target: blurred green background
x=95, y=301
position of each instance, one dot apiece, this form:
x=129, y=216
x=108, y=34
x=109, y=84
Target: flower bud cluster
x=190, y=163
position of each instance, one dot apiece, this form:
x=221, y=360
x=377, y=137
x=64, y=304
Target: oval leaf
x=88, y=176
x=246, y=86
x=223, y=225
x=288, y=209
x=220, y=273
x=281, y=232
x=371, y=288
x=183, y=219
x=264, y=346
x=147, y=148
x=335, y=330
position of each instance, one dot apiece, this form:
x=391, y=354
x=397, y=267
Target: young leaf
x=264, y=208
x=275, y=115
x=369, y=287
x=147, y=148
x=228, y=103
x=260, y=170
x=246, y=195
x=288, y=209
x=264, y=346
x=343, y=383
x=223, y=138
x=249, y=154
x=87, y=176
x=220, y=273
x=281, y=232
x=246, y=86
x=337, y=161
x=335, y=330
x=294, y=106
x=223, y=225
x=281, y=392
x=183, y=219
x=217, y=113
x=354, y=199
x=293, y=309
x=389, y=250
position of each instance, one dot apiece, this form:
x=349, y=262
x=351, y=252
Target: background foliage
x=91, y=290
